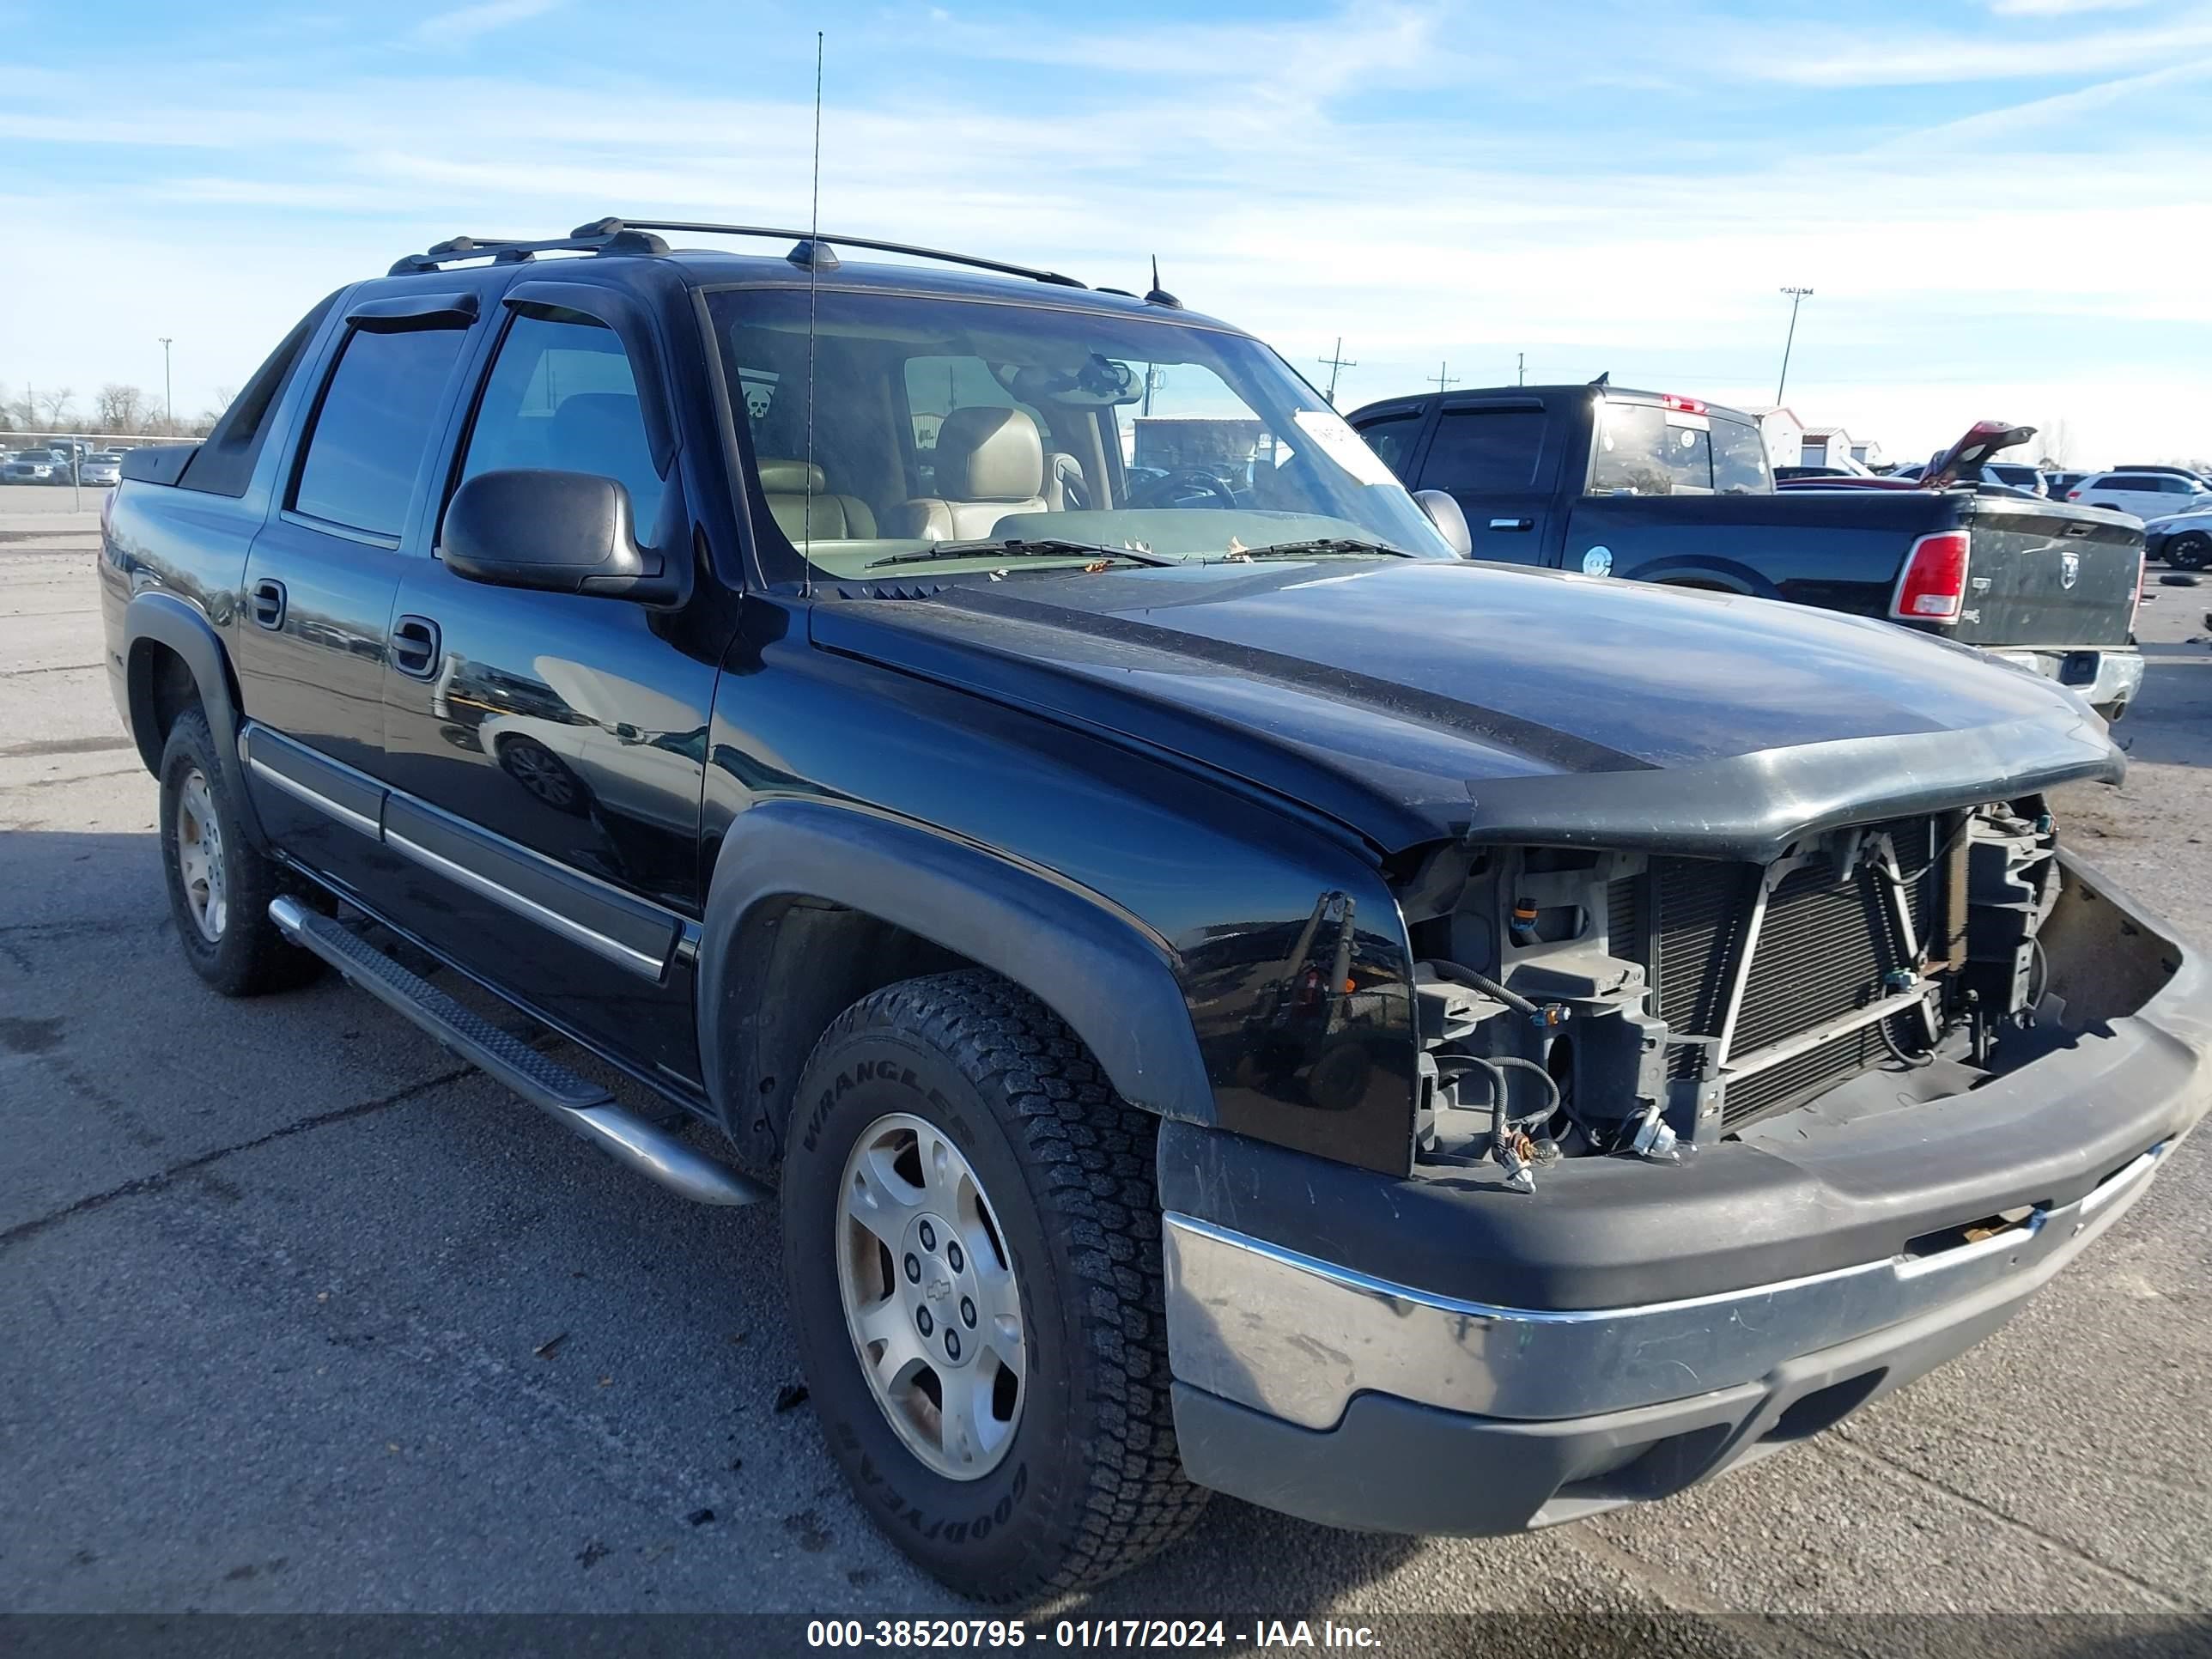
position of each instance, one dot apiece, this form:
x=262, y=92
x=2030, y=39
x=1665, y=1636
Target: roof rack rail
x=505, y=250
x=818, y=249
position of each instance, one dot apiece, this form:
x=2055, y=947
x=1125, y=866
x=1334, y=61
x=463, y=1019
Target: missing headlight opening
x=1660, y=1003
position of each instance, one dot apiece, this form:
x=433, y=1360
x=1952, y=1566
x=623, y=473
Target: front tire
x=969, y=1219
x=219, y=886
x=2190, y=552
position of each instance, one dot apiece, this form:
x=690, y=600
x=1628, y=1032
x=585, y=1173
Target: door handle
x=1512, y=524
x=415, y=646
x=267, y=604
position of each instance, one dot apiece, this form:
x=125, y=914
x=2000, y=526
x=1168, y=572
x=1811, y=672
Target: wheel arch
x=1704, y=572
x=163, y=636
x=812, y=905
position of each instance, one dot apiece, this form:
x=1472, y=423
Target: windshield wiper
x=1320, y=545
x=1046, y=546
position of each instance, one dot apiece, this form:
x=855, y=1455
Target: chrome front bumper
x=1297, y=1338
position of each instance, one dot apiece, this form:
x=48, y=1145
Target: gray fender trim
x=1097, y=968
x=169, y=621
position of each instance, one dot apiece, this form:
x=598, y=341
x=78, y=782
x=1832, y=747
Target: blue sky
x=2004, y=207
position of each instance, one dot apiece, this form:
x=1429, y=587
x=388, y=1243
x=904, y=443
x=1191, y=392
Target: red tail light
x=2073, y=495
x=1685, y=405
x=1933, y=586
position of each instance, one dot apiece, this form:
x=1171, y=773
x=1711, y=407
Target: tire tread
x=1092, y=1153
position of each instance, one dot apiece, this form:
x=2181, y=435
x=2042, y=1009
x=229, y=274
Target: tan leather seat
x=990, y=463
x=1065, y=488
x=800, y=496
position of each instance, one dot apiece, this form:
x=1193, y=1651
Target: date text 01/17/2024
x=1084, y=1633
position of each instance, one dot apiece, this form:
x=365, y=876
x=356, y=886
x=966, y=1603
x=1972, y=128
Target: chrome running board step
x=581, y=1104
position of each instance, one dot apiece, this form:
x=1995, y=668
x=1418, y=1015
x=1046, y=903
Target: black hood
x=1413, y=700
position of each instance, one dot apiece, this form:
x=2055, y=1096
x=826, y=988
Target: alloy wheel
x=930, y=1296
x=199, y=856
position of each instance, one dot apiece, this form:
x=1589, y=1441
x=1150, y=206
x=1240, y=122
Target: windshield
x=956, y=434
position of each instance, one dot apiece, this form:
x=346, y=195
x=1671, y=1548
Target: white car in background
x=99, y=469
x=2146, y=495
x=41, y=466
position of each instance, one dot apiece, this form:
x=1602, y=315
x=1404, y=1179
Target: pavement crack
x=1838, y=1444
x=1756, y=1632
x=79, y=777
x=48, y=668
x=161, y=1178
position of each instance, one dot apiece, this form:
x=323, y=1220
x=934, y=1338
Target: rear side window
x=224, y=463
x=373, y=426
x=1740, y=466
x=562, y=395
x=2128, y=480
x=1485, y=451
x=1392, y=439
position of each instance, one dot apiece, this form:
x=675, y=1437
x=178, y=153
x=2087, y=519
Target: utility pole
x=1797, y=297
x=169, y=390
x=1520, y=368
x=1441, y=379
x=1336, y=362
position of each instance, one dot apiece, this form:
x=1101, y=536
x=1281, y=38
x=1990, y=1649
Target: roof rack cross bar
x=827, y=242
x=511, y=250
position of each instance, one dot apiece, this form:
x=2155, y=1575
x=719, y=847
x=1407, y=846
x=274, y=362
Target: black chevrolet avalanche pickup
x=1235, y=996
x=1651, y=487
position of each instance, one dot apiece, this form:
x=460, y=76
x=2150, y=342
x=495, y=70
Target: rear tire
x=2190, y=552
x=219, y=886
x=1072, y=1475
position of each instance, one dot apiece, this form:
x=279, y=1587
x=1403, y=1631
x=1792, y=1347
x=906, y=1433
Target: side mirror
x=1451, y=523
x=560, y=532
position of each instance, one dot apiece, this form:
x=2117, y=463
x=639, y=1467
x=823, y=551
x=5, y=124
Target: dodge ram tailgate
x=2043, y=575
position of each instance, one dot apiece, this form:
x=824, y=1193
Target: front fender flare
x=1099, y=968
x=166, y=620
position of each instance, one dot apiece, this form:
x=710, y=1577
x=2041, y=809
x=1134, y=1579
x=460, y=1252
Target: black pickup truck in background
x=1662, y=488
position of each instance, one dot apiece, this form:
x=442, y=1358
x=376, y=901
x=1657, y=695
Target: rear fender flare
x=1701, y=570
x=1099, y=969
x=165, y=619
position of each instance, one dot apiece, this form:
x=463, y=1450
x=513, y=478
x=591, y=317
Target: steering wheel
x=1185, y=484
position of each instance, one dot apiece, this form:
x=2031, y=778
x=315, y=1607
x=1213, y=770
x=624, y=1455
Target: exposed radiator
x=1822, y=951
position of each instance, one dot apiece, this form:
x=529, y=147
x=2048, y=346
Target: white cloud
x=2059, y=8
x=2035, y=247
x=1826, y=56
x=466, y=23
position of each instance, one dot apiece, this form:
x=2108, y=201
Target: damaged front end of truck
x=1576, y=1002
x=1723, y=1129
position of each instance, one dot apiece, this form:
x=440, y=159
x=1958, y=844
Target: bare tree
x=2058, y=443
x=53, y=403
x=203, y=423
x=120, y=408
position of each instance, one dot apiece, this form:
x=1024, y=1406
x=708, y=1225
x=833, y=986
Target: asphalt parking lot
x=300, y=1315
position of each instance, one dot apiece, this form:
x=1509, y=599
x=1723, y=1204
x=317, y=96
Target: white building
x=1783, y=432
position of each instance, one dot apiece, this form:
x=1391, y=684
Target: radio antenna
x=813, y=281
